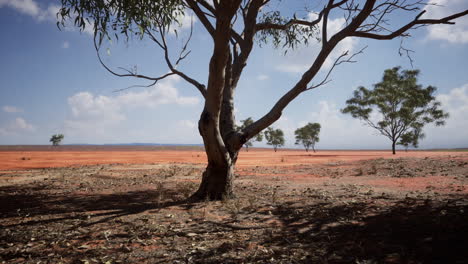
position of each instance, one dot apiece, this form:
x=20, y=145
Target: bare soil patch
x=341, y=207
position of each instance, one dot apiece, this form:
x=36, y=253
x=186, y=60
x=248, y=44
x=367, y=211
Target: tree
x=274, y=137
x=56, y=139
x=411, y=138
x=234, y=27
x=308, y=135
x=245, y=123
x=404, y=106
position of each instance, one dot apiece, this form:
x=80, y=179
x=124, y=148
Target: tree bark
x=393, y=148
x=217, y=182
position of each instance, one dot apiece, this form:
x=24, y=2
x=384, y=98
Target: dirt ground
x=129, y=205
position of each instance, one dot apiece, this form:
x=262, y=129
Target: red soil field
x=18, y=158
x=291, y=206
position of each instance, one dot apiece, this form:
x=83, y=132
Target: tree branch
x=337, y=62
x=129, y=73
x=401, y=31
x=173, y=69
x=201, y=15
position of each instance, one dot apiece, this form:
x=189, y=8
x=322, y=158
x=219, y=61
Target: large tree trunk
x=393, y=148
x=217, y=182
x=216, y=121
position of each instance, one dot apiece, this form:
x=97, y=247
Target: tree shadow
x=31, y=201
x=308, y=231
x=410, y=231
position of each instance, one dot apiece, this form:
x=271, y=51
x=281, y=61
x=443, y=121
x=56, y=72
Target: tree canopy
x=403, y=106
x=245, y=123
x=308, y=135
x=274, y=137
x=56, y=139
x=234, y=26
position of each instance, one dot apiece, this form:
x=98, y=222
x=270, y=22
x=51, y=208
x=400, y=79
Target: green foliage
x=290, y=36
x=308, y=135
x=411, y=138
x=111, y=18
x=56, y=139
x=404, y=106
x=274, y=137
x=245, y=123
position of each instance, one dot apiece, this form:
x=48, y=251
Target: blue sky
x=51, y=82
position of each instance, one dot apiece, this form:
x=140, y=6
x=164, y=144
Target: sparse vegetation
x=403, y=105
x=259, y=137
x=274, y=137
x=234, y=28
x=128, y=214
x=308, y=135
x=56, y=139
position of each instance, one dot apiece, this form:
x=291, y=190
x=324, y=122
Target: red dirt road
x=43, y=157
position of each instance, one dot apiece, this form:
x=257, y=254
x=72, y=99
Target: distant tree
x=245, y=123
x=308, y=135
x=404, y=106
x=411, y=138
x=274, y=137
x=56, y=139
x=235, y=27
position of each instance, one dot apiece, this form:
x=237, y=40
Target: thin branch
x=401, y=31
x=403, y=50
x=129, y=73
x=337, y=62
x=173, y=69
x=137, y=85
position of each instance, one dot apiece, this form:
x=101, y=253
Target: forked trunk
x=217, y=180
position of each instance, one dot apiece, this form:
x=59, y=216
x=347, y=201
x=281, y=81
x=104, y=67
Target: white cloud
x=263, y=77
x=99, y=114
x=164, y=93
x=300, y=60
x=21, y=124
x=65, y=45
x=454, y=134
x=11, y=109
x=18, y=125
x=28, y=7
x=342, y=131
x=86, y=106
x=32, y=8
x=42, y=13
x=184, y=22
x=188, y=124
x=457, y=33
